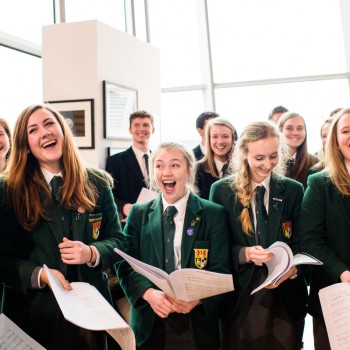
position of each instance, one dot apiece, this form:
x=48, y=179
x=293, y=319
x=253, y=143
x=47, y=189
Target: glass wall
x=259, y=54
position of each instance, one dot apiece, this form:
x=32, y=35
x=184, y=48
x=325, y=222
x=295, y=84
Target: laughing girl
x=169, y=232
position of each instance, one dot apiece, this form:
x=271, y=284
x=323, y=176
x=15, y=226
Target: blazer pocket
x=95, y=221
x=201, y=254
x=287, y=226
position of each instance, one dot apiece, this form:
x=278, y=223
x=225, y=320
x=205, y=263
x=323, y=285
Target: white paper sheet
x=335, y=302
x=13, y=338
x=281, y=261
x=87, y=308
x=146, y=195
x=184, y=284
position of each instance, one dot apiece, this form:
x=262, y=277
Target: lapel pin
x=277, y=199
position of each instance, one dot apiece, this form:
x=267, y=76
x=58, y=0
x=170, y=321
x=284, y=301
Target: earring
x=28, y=151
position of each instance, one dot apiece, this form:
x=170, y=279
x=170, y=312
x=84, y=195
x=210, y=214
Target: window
x=179, y=113
x=21, y=83
x=254, y=39
x=24, y=19
x=313, y=100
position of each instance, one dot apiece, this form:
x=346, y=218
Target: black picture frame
x=119, y=101
x=79, y=115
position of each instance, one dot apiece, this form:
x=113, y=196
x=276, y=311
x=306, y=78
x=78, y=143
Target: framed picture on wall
x=79, y=115
x=119, y=102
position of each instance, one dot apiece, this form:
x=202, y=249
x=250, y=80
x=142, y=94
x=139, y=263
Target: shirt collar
x=180, y=205
x=139, y=154
x=219, y=165
x=265, y=183
x=48, y=175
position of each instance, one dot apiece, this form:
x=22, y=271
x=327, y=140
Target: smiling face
x=4, y=143
x=343, y=137
x=262, y=157
x=45, y=139
x=171, y=174
x=294, y=132
x=220, y=141
x=141, y=130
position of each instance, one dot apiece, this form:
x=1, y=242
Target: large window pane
x=312, y=100
x=179, y=113
x=110, y=12
x=174, y=30
x=21, y=83
x=24, y=19
x=256, y=39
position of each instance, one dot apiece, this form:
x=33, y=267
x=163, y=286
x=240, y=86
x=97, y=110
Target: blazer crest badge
x=287, y=229
x=201, y=257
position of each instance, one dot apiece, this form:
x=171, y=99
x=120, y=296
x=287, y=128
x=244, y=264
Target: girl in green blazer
x=325, y=220
x=200, y=241
x=54, y=212
x=270, y=318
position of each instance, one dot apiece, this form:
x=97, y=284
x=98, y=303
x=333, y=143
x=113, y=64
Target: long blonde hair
x=334, y=159
x=241, y=182
x=25, y=182
x=207, y=161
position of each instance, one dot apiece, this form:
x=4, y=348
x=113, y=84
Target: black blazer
x=198, y=152
x=128, y=177
x=204, y=180
x=284, y=207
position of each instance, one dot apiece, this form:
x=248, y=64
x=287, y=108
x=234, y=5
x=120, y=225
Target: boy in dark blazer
x=129, y=169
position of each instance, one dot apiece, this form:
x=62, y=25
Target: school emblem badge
x=96, y=226
x=287, y=229
x=201, y=257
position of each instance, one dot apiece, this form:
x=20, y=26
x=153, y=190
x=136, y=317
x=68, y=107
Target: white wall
x=77, y=57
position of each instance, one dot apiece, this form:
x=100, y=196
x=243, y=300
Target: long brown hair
x=207, y=161
x=241, y=182
x=26, y=183
x=334, y=159
x=303, y=161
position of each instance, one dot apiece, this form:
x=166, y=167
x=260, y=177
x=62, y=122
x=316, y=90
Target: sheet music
x=87, y=308
x=184, y=284
x=335, y=302
x=146, y=195
x=281, y=261
x=13, y=338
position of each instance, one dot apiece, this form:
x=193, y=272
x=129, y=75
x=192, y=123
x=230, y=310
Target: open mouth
x=169, y=185
x=49, y=144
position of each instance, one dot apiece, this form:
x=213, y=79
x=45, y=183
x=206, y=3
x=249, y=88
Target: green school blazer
x=144, y=241
x=283, y=219
x=36, y=310
x=325, y=234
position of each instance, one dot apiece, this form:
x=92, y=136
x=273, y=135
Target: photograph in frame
x=119, y=102
x=79, y=115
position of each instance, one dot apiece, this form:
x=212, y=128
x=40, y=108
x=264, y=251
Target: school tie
x=169, y=232
x=55, y=185
x=223, y=171
x=145, y=156
x=261, y=217
x=290, y=165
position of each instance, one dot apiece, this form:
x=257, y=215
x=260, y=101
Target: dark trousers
x=68, y=336
x=321, y=340
x=261, y=322
x=173, y=333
